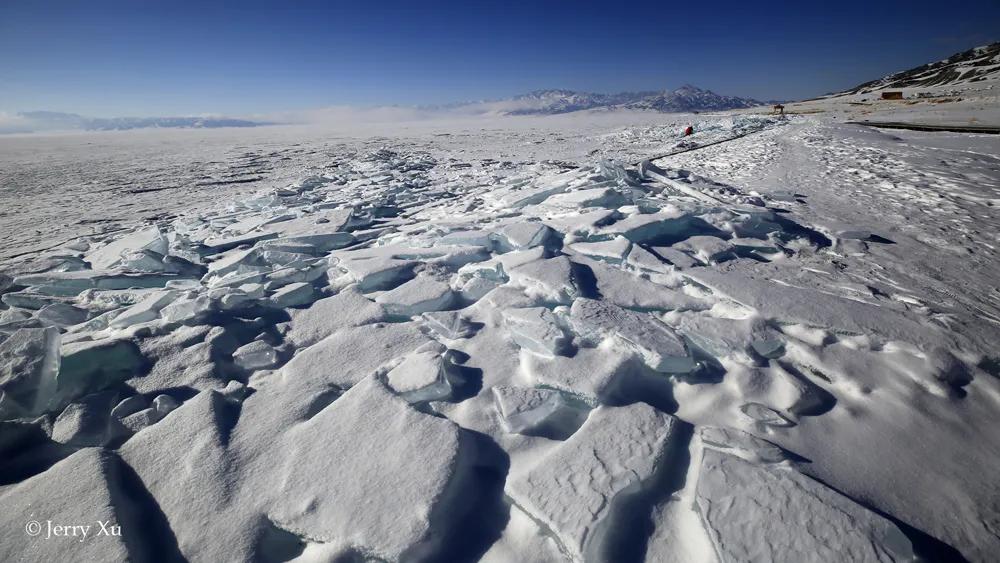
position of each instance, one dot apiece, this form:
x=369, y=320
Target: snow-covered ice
x=802, y=520
x=573, y=491
x=658, y=344
x=502, y=340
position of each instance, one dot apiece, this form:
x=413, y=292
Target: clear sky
x=178, y=57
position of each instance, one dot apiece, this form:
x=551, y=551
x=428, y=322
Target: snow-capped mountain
x=565, y=101
x=692, y=98
x=974, y=65
x=683, y=99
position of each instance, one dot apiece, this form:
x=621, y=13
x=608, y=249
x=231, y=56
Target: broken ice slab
x=403, y=452
x=324, y=317
x=253, y=290
x=769, y=513
x=110, y=299
x=73, y=283
x=112, y=253
x=757, y=225
x=522, y=235
x=90, y=366
x=594, y=197
x=143, y=261
x=550, y=280
x=707, y=249
x=255, y=355
x=421, y=376
x=320, y=242
x=146, y=310
x=32, y=300
x=615, y=172
x=596, y=374
x=165, y=404
x=373, y=273
x=321, y=230
x=294, y=295
x=86, y=422
x=341, y=349
x=255, y=221
x=679, y=259
x=663, y=227
x=582, y=226
x=535, y=329
x=449, y=324
x=142, y=419
x=223, y=243
x=129, y=405
x=645, y=261
x=741, y=443
x=284, y=258
x=232, y=261
x=764, y=249
x=29, y=363
x=185, y=309
x=740, y=337
x=319, y=222
x=303, y=273
x=244, y=276
x=613, y=251
x=765, y=415
x=98, y=323
x=528, y=196
x=574, y=491
x=531, y=410
x=82, y=489
x=15, y=319
x=649, y=170
x=466, y=238
x=655, y=342
x=446, y=257
x=61, y=315
x=419, y=295
x=470, y=276
x=473, y=288
x=770, y=348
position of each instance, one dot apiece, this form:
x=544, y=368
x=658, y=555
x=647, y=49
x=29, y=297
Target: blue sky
x=104, y=58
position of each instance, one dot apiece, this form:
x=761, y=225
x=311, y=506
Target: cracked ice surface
x=573, y=490
x=825, y=526
x=501, y=345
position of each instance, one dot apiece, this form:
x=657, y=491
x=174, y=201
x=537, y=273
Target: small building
x=894, y=95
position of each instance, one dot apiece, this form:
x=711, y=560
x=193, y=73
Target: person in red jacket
x=689, y=130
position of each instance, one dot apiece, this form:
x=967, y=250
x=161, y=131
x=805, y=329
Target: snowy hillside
x=974, y=65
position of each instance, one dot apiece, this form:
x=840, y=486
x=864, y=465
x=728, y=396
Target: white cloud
x=14, y=123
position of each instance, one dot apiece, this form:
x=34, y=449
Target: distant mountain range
x=542, y=102
x=687, y=98
x=975, y=65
